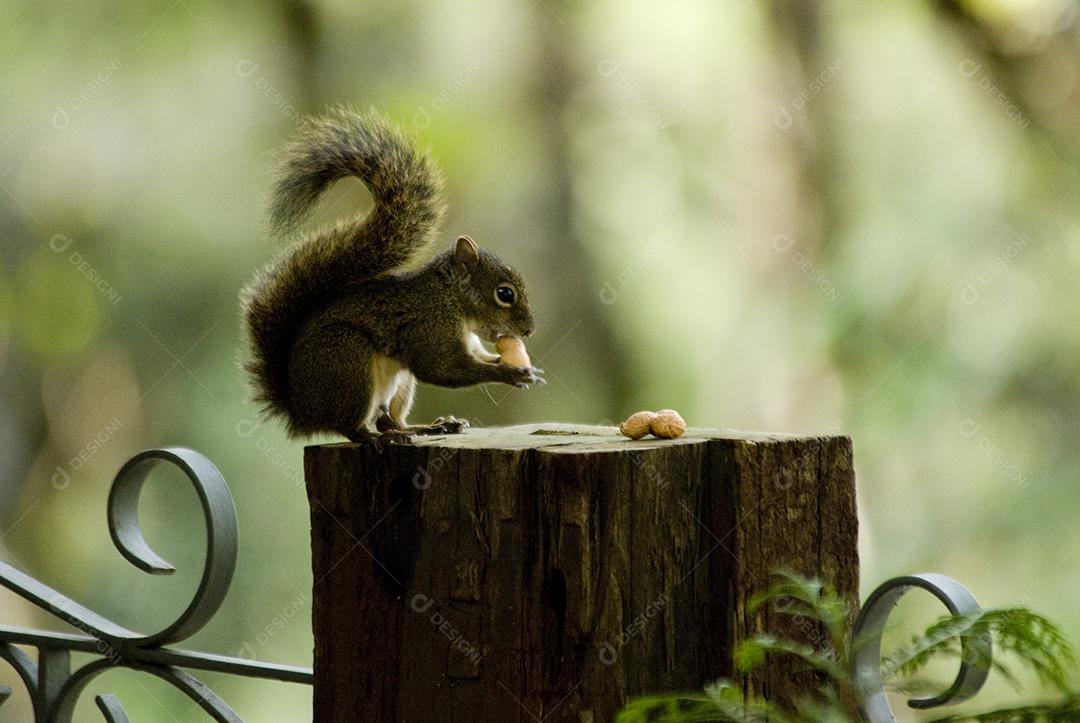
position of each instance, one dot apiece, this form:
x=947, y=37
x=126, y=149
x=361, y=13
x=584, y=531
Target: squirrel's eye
x=504, y=295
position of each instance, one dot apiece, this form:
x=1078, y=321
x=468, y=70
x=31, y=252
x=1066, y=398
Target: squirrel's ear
x=466, y=252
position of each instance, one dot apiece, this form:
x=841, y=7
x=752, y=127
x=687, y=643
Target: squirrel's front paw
x=450, y=425
x=522, y=377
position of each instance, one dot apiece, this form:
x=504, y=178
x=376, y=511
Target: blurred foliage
x=853, y=217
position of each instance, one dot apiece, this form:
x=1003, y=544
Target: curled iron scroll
x=54, y=688
x=221, y=535
x=866, y=653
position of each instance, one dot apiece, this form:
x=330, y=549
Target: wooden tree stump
x=549, y=572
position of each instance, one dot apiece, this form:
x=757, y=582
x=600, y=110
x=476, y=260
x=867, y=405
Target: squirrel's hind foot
x=443, y=425
x=360, y=435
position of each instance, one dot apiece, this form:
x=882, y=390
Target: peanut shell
x=637, y=425
x=512, y=352
x=668, y=424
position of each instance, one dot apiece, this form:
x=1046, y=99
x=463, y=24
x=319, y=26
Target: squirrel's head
x=491, y=293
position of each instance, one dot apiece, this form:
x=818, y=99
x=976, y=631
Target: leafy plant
x=1018, y=633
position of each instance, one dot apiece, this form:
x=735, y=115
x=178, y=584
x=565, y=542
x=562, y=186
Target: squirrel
x=338, y=331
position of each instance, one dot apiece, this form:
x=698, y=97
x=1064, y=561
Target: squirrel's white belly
x=386, y=375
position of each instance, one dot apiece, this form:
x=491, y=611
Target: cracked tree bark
x=552, y=571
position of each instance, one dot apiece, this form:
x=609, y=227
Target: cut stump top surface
x=556, y=437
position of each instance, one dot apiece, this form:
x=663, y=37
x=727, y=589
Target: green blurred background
x=846, y=217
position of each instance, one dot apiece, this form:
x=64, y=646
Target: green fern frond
x=721, y=702
x=940, y=639
x=811, y=598
x=792, y=595
x=750, y=654
x=1031, y=638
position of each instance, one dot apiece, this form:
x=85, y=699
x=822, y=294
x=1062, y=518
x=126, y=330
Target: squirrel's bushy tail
x=407, y=188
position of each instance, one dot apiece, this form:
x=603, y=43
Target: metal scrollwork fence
x=53, y=685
